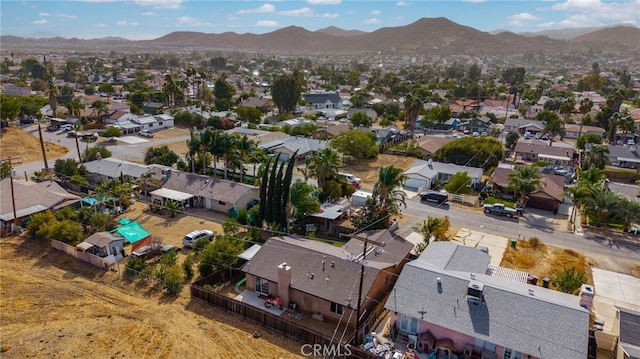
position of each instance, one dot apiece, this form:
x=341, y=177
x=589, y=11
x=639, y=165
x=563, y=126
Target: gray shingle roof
x=32, y=197
x=545, y=324
x=423, y=169
x=206, y=187
x=113, y=167
x=630, y=331
x=332, y=97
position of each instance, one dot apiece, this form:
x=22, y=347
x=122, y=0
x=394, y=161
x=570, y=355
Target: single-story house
x=104, y=245
x=523, y=125
x=107, y=169
x=152, y=107
x=199, y=191
x=537, y=150
x=30, y=198
x=548, y=198
x=286, y=147
x=429, y=145
x=449, y=294
x=422, y=174
x=323, y=279
x=624, y=156
x=323, y=100
x=479, y=124
x=373, y=115
x=261, y=103
x=574, y=131
x=329, y=129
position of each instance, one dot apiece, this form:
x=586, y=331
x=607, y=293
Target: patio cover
x=553, y=157
x=171, y=194
x=132, y=232
x=84, y=246
x=250, y=252
x=23, y=212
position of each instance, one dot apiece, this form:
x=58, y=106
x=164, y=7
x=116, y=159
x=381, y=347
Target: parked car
x=27, y=121
x=168, y=248
x=252, y=203
x=65, y=127
x=145, y=133
x=148, y=251
x=635, y=231
x=352, y=179
x=500, y=209
x=434, y=196
x=74, y=134
x=192, y=237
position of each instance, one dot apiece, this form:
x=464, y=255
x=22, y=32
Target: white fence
x=100, y=262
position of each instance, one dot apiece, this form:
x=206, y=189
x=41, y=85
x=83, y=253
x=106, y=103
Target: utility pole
x=13, y=196
x=358, y=309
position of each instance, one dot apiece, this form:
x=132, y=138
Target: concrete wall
x=100, y=262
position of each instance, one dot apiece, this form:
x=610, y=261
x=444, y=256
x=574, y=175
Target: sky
x=150, y=19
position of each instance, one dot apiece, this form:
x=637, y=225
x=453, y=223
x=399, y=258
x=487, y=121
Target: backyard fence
x=97, y=261
x=464, y=199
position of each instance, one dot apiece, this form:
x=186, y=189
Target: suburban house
x=329, y=129
x=478, y=124
x=261, y=103
x=287, y=146
x=624, y=156
x=548, y=198
x=152, y=107
x=30, y=198
x=574, y=131
x=108, y=169
x=388, y=134
x=429, y=145
x=130, y=123
x=193, y=190
x=373, y=115
x=537, y=150
x=629, y=343
x=104, y=245
x=522, y=125
x=423, y=174
x=323, y=279
x=452, y=299
x=323, y=100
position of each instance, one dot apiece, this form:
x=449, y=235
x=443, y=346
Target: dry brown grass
x=16, y=143
x=635, y=271
x=368, y=170
x=536, y=258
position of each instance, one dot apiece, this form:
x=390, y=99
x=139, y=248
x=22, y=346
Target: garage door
x=416, y=183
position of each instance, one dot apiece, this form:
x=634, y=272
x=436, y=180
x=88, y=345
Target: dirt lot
x=14, y=142
x=55, y=307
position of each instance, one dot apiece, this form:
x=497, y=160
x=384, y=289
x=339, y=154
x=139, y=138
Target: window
x=511, y=354
x=221, y=203
x=262, y=286
x=408, y=324
x=337, y=308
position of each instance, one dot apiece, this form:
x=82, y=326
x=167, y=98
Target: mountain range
x=427, y=35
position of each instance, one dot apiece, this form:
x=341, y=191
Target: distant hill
x=427, y=35
x=336, y=31
x=568, y=34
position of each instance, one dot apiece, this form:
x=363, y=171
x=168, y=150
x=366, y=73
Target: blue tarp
x=132, y=232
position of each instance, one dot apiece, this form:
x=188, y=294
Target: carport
x=160, y=197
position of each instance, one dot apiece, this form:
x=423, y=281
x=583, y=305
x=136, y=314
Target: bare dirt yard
x=53, y=306
x=16, y=143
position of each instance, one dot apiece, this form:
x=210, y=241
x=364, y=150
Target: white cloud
x=44, y=14
x=328, y=15
x=324, y=2
x=39, y=22
x=372, y=21
x=597, y=12
x=66, y=16
x=190, y=21
x=231, y=17
x=305, y=12
x=160, y=4
x=403, y=3
x=100, y=25
x=546, y=24
x=148, y=13
x=126, y=23
x=264, y=9
x=521, y=19
x=375, y=12
x=267, y=23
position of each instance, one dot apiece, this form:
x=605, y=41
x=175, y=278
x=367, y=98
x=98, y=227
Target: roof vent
x=473, y=276
x=474, y=292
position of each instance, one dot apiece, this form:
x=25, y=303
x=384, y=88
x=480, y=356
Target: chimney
x=284, y=281
x=586, y=296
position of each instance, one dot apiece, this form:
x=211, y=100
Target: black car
x=27, y=121
x=252, y=203
x=434, y=196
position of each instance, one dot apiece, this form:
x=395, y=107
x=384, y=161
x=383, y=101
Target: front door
x=408, y=324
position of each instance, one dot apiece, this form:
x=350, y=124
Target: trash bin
x=513, y=243
x=532, y=279
x=545, y=282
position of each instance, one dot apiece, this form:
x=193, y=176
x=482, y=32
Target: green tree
x=250, y=115
x=438, y=114
x=147, y=181
x=220, y=254
x=596, y=156
x=52, y=93
x=511, y=139
x=586, y=104
x=187, y=266
x=388, y=188
x=174, y=279
x=569, y=280
x=592, y=138
x=69, y=167
x=372, y=216
x=360, y=119
x=459, y=183
x=602, y=205
x=302, y=202
x=626, y=124
x=286, y=92
x=323, y=166
x=160, y=155
x=39, y=227
x=628, y=210
x=485, y=152
x=231, y=227
x=66, y=231
x=412, y=108
x=91, y=153
x=356, y=144
x=525, y=180
x=111, y=131
x=9, y=107
x=223, y=90
x=432, y=228
x=553, y=126
x=99, y=221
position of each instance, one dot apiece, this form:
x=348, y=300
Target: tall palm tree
x=614, y=122
x=585, y=106
x=525, y=180
x=244, y=146
x=52, y=93
x=628, y=209
x=412, y=108
x=626, y=124
x=205, y=140
x=602, y=205
x=229, y=155
x=615, y=98
x=324, y=165
x=76, y=130
x=74, y=106
x=39, y=118
x=596, y=156
x=193, y=144
x=216, y=148
x=148, y=180
x=388, y=188
x=566, y=108
x=100, y=108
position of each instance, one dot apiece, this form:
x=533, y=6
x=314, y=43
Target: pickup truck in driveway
x=500, y=209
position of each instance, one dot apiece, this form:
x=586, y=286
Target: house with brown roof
x=573, y=130
x=537, y=150
x=198, y=191
x=329, y=129
x=30, y=198
x=324, y=279
x=429, y=145
x=548, y=198
x=261, y=103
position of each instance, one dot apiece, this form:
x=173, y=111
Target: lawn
x=506, y=202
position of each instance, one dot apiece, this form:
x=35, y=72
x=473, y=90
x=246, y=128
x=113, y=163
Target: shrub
x=200, y=244
x=535, y=242
x=173, y=279
x=134, y=266
x=187, y=267
x=570, y=280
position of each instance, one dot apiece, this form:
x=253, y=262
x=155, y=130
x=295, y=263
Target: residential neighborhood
x=404, y=204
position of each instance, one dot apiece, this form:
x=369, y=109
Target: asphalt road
x=529, y=225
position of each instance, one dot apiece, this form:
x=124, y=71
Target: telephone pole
x=13, y=196
x=358, y=309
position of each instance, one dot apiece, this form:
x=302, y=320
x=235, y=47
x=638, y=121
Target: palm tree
x=193, y=144
x=39, y=118
x=628, y=209
x=614, y=122
x=525, y=180
x=205, y=141
x=148, y=180
x=100, y=108
x=626, y=124
x=244, y=146
x=324, y=165
x=585, y=106
x=301, y=199
x=74, y=106
x=388, y=188
x=602, y=205
x=52, y=93
x=566, y=108
x=597, y=156
x=216, y=148
x=432, y=227
x=77, y=129
x=412, y=107
x=615, y=98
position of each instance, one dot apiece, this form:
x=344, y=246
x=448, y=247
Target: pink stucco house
x=449, y=299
